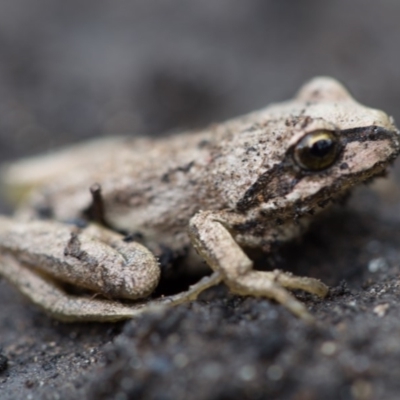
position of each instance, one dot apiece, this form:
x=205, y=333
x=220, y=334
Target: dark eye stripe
x=370, y=133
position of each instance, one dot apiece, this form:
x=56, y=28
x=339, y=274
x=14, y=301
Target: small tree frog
x=207, y=195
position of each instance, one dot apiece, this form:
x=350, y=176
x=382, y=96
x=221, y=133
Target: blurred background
x=70, y=70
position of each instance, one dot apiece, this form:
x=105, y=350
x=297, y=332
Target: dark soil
x=70, y=70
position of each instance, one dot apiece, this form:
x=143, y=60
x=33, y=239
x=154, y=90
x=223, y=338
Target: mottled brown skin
x=232, y=185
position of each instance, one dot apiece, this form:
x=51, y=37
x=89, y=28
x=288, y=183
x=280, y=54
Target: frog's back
x=148, y=185
x=132, y=172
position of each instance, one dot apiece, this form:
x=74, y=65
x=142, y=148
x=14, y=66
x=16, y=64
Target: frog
x=103, y=215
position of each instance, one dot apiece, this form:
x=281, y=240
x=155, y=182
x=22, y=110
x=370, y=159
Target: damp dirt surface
x=70, y=71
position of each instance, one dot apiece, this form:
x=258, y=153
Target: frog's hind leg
x=48, y=296
x=216, y=245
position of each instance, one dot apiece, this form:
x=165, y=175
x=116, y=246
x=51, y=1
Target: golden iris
x=317, y=151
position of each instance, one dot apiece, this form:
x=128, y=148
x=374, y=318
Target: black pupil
x=321, y=148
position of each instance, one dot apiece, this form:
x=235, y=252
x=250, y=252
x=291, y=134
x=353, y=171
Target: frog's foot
x=217, y=246
x=272, y=285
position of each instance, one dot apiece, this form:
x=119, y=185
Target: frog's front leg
x=215, y=244
x=36, y=254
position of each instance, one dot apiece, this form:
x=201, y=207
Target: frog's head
x=331, y=143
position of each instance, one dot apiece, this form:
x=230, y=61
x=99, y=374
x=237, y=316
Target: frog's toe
x=290, y=281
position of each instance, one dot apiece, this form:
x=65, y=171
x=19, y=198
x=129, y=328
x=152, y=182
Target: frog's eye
x=317, y=150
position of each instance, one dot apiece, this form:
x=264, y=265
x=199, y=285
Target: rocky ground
x=69, y=71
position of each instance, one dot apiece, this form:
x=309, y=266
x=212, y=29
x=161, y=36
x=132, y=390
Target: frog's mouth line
x=282, y=178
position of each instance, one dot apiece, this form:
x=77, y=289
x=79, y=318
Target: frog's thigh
x=217, y=246
x=54, y=301
x=93, y=258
